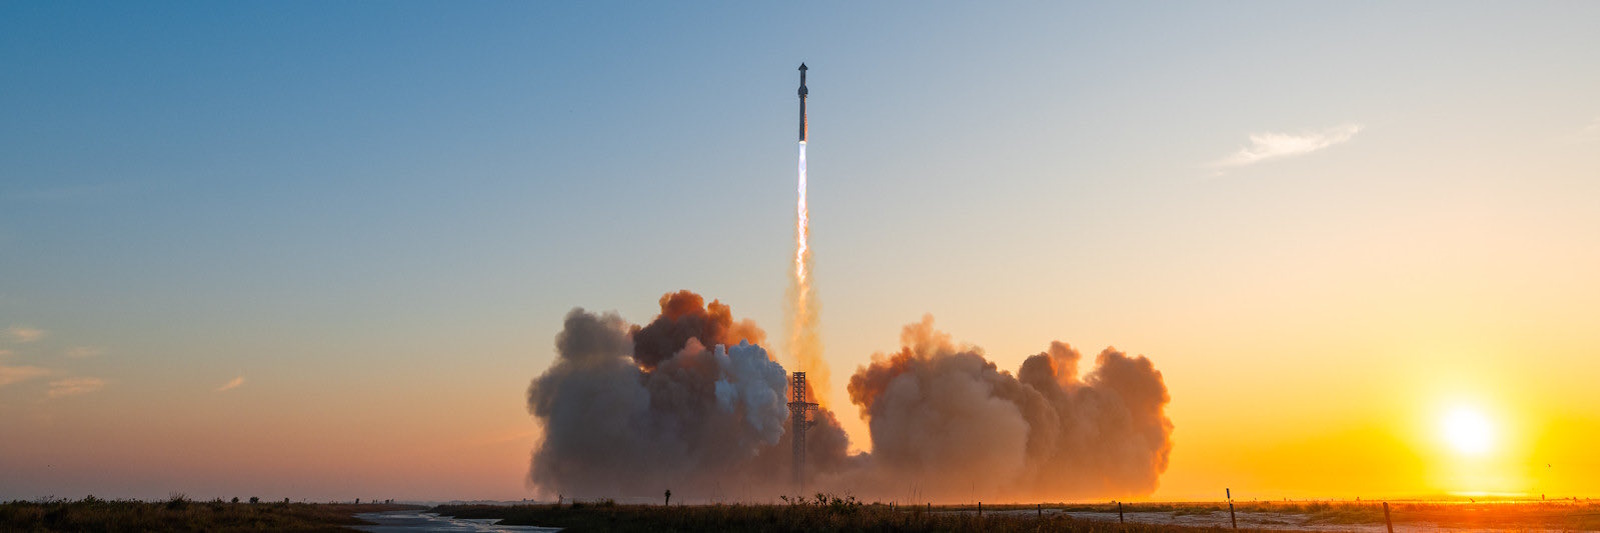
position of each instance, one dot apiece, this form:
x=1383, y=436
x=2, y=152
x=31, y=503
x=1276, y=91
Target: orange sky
x=1328, y=226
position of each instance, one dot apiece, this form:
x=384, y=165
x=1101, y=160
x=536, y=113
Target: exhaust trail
x=805, y=342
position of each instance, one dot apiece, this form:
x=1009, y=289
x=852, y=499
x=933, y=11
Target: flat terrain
x=826, y=514
x=848, y=515
x=1346, y=516
x=182, y=515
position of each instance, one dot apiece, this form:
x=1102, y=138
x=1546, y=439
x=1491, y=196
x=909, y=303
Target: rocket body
x=803, y=125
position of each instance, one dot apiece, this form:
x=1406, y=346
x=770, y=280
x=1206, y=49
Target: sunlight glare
x=1468, y=431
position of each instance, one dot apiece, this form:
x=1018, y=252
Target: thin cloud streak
x=231, y=384
x=24, y=333
x=75, y=386
x=17, y=374
x=1273, y=145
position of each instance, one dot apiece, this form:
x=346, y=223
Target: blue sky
x=344, y=204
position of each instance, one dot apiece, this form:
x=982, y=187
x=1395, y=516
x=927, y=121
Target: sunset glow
x=1467, y=431
x=1058, y=251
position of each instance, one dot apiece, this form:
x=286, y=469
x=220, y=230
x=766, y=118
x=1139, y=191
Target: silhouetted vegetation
x=824, y=512
x=179, y=513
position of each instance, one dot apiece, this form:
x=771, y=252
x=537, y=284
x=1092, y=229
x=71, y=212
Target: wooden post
x=1386, y=521
x=980, y=509
x=1231, y=518
x=1041, y=510
x=1119, y=514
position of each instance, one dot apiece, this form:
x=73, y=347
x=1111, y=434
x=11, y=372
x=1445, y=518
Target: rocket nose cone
x=802, y=66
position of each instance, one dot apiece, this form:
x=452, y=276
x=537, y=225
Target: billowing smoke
x=949, y=423
x=690, y=402
x=685, y=402
x=685, y=315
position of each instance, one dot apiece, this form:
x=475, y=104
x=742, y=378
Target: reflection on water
x=418, y=521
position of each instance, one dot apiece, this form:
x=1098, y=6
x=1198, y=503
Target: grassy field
x=181, y=514
x=826, y=513
x=833, y=514
x=777, y=518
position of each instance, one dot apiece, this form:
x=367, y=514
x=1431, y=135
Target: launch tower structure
x=799, y=421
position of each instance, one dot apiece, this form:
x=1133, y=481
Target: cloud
x=234, y=384
x=24, y=333
x=82, y=352
x=14, y=374
x=5, y=353
x=1271, y=145
x=75, y=386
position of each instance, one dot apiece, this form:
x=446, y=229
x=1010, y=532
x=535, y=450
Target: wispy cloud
x=1273, y=145
x=82, y=352
x=14, y=374
x=5, y=353
x=75, y=386
x=231, y=384
x=24, y=333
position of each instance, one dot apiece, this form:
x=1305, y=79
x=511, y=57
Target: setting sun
x=1468, y=431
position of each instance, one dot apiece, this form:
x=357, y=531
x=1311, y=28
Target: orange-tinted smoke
x=685, y=315
x=945, y=419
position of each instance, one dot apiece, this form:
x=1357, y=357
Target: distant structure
x=799, y=421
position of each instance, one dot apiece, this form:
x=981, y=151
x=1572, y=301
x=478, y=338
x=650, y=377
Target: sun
x=1468, y=431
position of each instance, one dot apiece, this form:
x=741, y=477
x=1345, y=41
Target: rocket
x=803, y=125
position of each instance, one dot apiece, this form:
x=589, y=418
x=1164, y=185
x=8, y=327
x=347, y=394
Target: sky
x=318, y=251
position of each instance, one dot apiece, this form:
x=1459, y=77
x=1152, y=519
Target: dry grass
x=180, y=514
x=1560, y=515
x=835, y=514
x=829, y=514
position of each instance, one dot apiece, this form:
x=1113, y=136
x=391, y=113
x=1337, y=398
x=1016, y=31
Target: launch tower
x=799, y=420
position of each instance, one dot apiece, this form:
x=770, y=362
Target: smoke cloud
x=950, y=423
x=686, y=402
x=691, y=402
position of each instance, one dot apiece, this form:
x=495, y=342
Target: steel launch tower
x=799, y=421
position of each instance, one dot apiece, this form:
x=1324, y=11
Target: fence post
x=1231, y=518
x=1119, y=513
x=1386, y=521
x=980, y=509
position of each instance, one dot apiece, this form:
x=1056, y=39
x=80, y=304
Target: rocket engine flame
x=805, y=342
x=692, y=401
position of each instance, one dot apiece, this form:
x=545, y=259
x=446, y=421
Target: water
x=419, y=521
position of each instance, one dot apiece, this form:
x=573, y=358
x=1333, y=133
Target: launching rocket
x=803, y=126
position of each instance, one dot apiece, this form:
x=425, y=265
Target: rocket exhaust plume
x=805, y=342
x=629, y=411
x=691, y=402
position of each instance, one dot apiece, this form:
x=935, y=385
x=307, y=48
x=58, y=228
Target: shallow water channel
x=420, y=521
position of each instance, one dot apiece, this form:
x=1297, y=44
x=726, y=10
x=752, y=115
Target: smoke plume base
x=692, y=402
